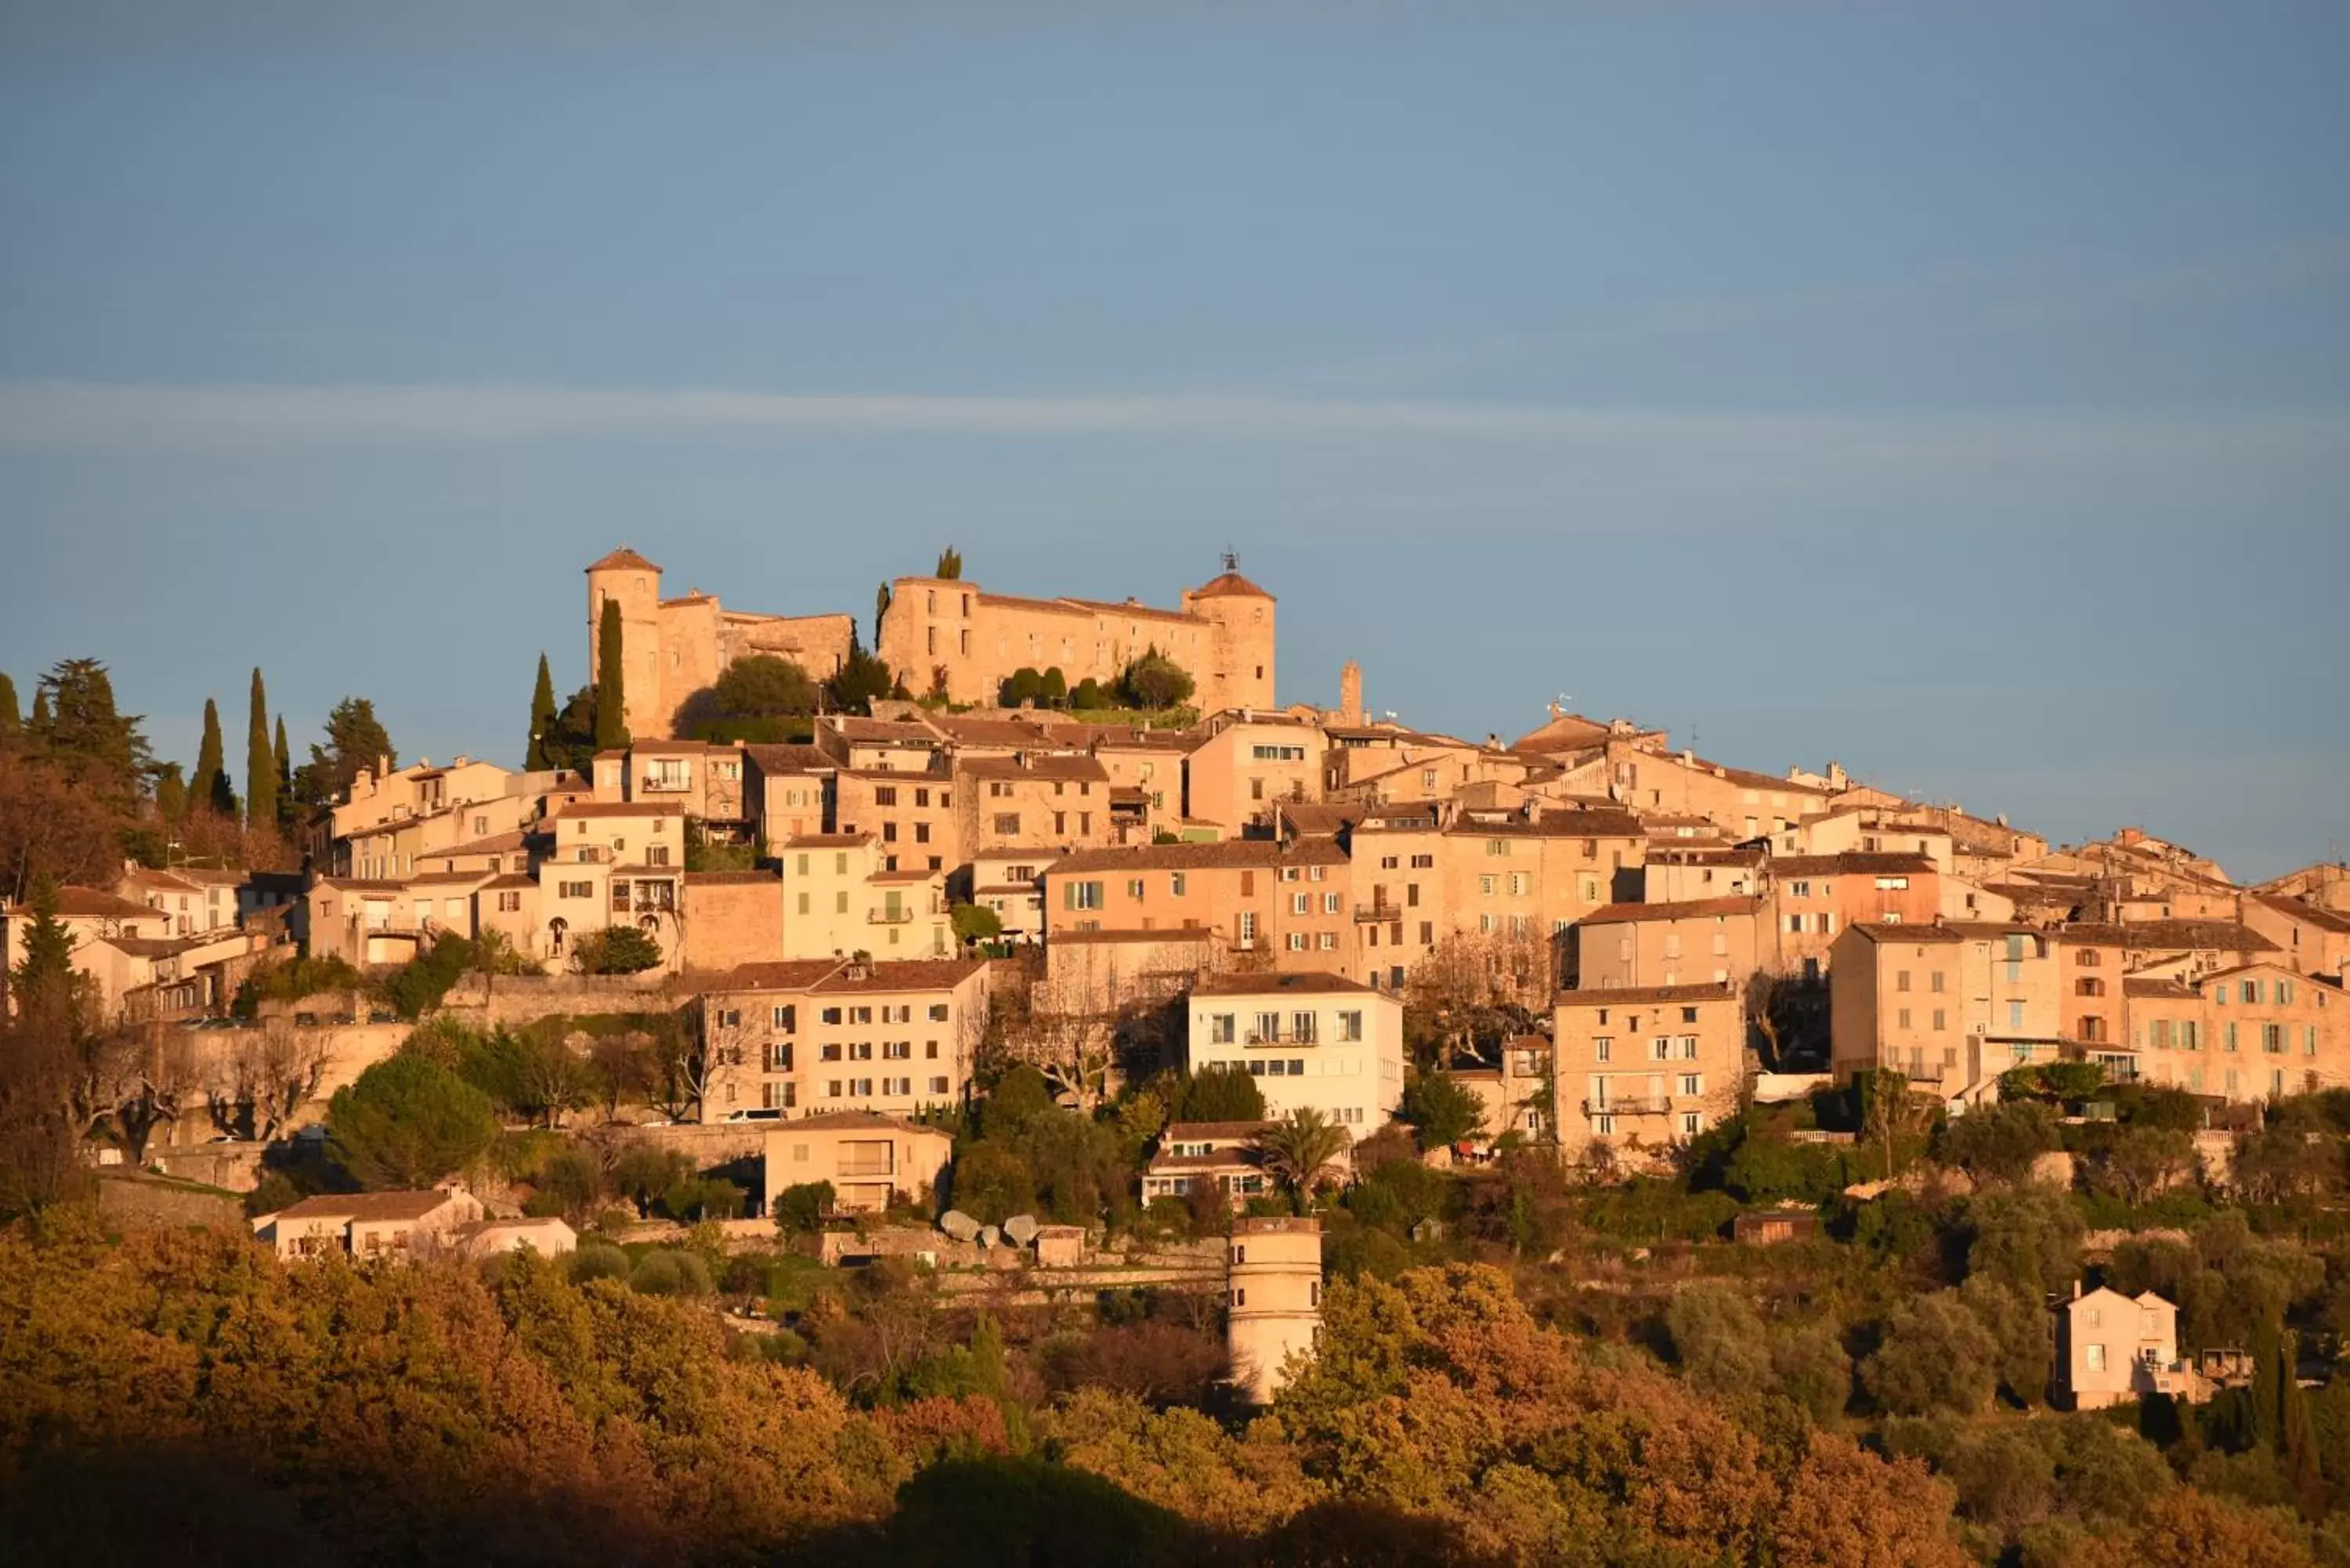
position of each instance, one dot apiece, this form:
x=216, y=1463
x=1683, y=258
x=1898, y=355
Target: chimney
x=1556, y=712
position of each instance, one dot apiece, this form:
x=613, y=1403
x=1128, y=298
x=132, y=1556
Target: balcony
x=1630, y=1106
x=665, y=786
x=888, y=916
x=1375, y=913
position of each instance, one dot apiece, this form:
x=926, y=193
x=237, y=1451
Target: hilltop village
x=1040, y=953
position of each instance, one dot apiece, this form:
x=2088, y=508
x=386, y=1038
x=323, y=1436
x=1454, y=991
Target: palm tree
x=1301, y=1149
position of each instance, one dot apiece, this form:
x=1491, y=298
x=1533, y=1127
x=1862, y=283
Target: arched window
x=556, y=929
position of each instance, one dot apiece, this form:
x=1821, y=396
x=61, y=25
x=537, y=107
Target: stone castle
x=940, y=635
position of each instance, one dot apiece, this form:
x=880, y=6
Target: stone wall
x=513, y=999
x=144, y=1201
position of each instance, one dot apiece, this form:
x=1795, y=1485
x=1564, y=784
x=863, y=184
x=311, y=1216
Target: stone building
x=671, y=648
x=950, y=635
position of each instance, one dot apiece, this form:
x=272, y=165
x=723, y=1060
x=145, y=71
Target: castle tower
x=1273, y=1300
x=633, y=583
x=1241, y=641
x=1350, y=693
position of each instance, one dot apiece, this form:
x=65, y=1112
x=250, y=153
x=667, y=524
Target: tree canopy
x=408, y=1122
x=355, y=739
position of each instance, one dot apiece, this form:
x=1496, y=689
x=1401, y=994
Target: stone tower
x=633, y=583
x=1241, y=641
x=1273, y=1300
x=1350, y=693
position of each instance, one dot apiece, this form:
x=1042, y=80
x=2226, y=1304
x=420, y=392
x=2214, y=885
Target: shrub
x=990, y=1182
x=1441, y=1111
x=597, y=1261
x=615, y=950
x=1936, y=1355
x=1718, y=1340
x=544, y=1206
x=799, y=1208
x=671, y=1274
x=1155, y=682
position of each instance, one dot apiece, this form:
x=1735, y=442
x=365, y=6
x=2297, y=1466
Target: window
x=1301, y=903
x=2015, y=1015
x=2096, y=1357
x=1327, y=941
x=1330, y=903
x=1940, y=1020
x=1302, y=1028
x=1007, y=824
x=1686, y=1044
x=1660, y=1049
x=1901, y=980
x=2272, y=1038
x=1603, y=1047
x=1690, y=1081
x=784, y=1018
x=1297, y=941
x=1176, y=884
x=1267, y=1030
x=1246, y=928
x=1350, y=1025
x=1691, y=1124
x=1081, y=895
x=1220, y=1029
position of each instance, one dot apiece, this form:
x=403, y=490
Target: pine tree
x=260, y=762
x=100, y=750
x=285, y=757
x=209, y=789
x=611, y=713
x=43, y=987
x=542, y=717
x=12, y=720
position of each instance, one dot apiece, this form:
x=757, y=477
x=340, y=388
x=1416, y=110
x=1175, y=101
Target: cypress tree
x=880, y=611
x=542, y=717
x=210, y=788
x=12, y=719
x=260, y=762
x=2268, y=1396
x=285, y=757
x=2296, y=1431
x=171, y=791
x=611, y=714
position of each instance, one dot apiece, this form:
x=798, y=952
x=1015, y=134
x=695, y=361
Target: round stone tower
x=1239, y=641
x=1273, y=1300
x=629, y=580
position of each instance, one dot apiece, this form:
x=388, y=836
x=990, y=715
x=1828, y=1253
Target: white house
x=1309, y=1039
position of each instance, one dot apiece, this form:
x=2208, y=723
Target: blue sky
x=1962, y=392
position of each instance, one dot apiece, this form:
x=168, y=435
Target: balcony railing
x=1372, y=914
x=665, y=786
x=1630, y=1106
x=888, y=916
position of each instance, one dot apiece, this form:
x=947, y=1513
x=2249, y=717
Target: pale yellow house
x=871, y=1160
x=2111, y=1347
x=397, y=1225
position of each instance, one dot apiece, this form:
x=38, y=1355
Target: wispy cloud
x=50, y=415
